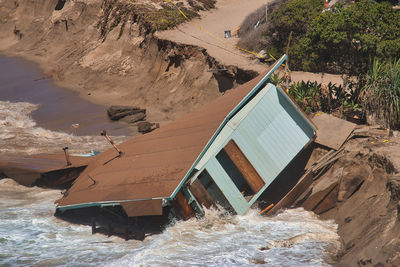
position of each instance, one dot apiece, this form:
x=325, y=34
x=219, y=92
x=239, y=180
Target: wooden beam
x=182, y=207
x=245, y=167
x=201, y=194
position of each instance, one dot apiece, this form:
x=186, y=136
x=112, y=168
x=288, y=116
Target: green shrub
x=388, y=48
x=313, y=97
x=294, y=16
x=165, y=18
x=341, y=39
x=381, y=91
x=154, y=15
x=345, y=38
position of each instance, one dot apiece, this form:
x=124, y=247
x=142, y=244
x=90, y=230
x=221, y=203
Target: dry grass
x=252, y=29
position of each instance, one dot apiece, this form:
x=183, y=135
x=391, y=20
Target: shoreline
x=59, y=107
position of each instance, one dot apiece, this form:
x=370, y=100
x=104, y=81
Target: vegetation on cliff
x=347, y=37
x=151, y=15
x=376, y=93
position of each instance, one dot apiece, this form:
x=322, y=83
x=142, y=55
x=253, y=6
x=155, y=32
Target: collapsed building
x=225, y=154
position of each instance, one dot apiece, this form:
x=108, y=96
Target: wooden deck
x=44, y=170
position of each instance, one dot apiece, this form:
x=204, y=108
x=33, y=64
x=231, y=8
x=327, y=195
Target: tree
x=348, y=37
x=294, y=16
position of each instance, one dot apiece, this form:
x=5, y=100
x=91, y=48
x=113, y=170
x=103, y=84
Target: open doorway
x=240, y=170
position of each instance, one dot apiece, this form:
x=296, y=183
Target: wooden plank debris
x=51, y=170
x=312, y=174
x=332, y=132
x=201, y=194
x=304, y=182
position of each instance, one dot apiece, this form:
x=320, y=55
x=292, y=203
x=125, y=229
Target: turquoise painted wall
x=270, y=131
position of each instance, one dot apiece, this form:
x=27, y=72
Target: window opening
x=234, y=173
x=240, y=170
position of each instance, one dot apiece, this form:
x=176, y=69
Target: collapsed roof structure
x=227, y=153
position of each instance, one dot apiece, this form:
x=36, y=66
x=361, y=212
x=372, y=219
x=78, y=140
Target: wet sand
x=22, y=81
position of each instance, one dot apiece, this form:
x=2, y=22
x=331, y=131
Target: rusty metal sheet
x=332, y=132
x=143, y=208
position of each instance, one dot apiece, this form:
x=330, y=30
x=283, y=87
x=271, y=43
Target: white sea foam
x=19, y=134
x=248, y=240
x=31, y=235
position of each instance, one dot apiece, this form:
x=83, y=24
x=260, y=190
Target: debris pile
x=352, y=177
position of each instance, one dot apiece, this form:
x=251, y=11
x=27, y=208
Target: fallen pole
x=104, y=133
x=67, y=156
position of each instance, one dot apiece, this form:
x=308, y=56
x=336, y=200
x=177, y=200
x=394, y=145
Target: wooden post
x=287, y=70
x=93, y=226
x=201, y=194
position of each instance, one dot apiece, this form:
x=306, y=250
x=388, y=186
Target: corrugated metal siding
x=270, y=131
x=269, y=136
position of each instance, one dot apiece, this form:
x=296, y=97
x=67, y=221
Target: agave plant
x=306, y=94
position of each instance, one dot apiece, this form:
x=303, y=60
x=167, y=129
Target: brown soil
x=164, y=76
x=364, y=200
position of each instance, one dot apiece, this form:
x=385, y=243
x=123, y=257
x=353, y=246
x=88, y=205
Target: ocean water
x=31, y=236
x=20, y=134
